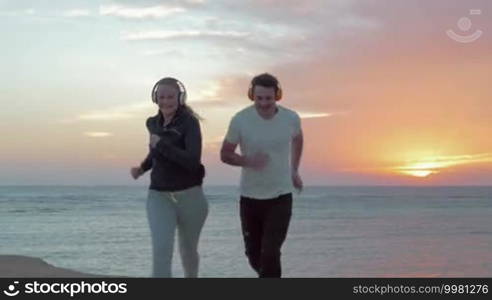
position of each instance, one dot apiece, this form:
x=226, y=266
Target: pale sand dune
x=25, y=266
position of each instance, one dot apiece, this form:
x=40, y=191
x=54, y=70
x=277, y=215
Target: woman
x=175, y=196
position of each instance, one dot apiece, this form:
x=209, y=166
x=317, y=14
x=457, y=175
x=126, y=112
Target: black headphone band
x=181, y=89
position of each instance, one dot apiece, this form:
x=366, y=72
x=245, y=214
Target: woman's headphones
x=277, y=87
x=170, y=80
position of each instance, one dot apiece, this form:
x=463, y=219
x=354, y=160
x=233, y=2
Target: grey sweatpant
x=185, y=210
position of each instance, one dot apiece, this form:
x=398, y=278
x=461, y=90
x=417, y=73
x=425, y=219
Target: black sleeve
x=147, y=163
x=190, y=157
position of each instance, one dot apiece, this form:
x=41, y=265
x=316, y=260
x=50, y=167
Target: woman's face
x=167, y=98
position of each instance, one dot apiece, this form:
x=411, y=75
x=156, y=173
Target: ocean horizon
x=335, y=231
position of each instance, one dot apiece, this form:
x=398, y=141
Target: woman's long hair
x=187, y=109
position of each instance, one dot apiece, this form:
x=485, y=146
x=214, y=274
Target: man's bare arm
x=256, y=161
x=297, y=145
x=229, y=156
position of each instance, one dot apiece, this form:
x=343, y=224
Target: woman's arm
x=190, y=157
x=144, y=166
x=146, y=163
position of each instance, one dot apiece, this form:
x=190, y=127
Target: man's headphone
x=277, y=87
x=170, y=80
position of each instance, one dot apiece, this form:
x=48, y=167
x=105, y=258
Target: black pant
x=264, y=225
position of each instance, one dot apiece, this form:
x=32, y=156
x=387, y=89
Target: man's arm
x=229, y=156
x=228, y=153
x=297, y=145
x=256, y=161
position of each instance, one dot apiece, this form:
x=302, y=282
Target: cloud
x=285, y=10
x=184, y=3
x=447, y=161
x=167, y=34
x=208, y=94
x=310, y=115
x=434, y=165
x=258, y=31
x=352, y=21
x=75, y=13
x=98, y=134
x=126, y=112
x=18, y=13
x=166, y=53
x=129, y=12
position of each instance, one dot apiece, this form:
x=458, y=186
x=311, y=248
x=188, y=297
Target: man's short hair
x=266, y=80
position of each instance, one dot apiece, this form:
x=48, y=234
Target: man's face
x=264, y=98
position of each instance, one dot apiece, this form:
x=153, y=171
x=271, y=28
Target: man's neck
x=269, y=114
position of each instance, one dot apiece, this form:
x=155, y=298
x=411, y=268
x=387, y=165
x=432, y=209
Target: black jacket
x=176, y=159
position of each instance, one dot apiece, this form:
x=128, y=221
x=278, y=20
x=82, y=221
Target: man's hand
x=258, y=161
x=154, y=139
x=136, y=172
x=297, y=181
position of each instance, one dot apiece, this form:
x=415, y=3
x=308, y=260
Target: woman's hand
x=154, y=139
x=136, y=172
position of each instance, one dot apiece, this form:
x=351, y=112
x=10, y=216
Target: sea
x=335, y=231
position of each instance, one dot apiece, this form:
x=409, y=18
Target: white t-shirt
x=273, y=137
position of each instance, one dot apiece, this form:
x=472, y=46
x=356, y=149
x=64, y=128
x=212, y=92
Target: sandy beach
x=25, y=266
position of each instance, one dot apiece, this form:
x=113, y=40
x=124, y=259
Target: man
x=268, y=135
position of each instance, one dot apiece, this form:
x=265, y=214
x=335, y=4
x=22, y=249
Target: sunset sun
x=436, y=164
x=419, y=173
x=422, y=169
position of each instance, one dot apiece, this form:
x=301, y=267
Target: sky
x=390, y=92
